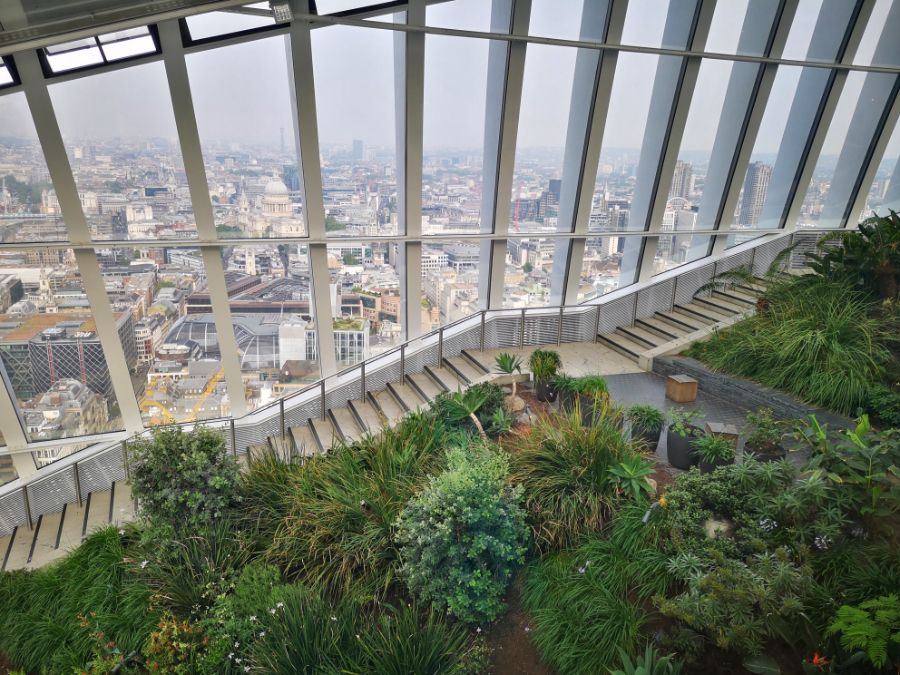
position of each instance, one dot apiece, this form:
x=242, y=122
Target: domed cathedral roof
x=276, y=187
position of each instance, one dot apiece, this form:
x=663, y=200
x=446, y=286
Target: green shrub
x=184, y=479
x=175, y=646
x=645, y=419
x=339, y=525
x=884, y=403
x=820, y=340
x=650, y=663
x=564, y=469
x=711, y=448
x=268, y=487
x=49, y=618
x=873, y=627
x=544, y=363
x=462, y=538
x=631, y=476
x=489, y=397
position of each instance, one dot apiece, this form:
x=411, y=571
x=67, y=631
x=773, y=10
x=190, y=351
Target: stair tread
x=282, y=447
x=465, y=368
x=487, y=362
x=327, y=435
x=348, y=425
x=719, y=304
x=304, y=441
x=449, y=378
x=98, y=513
x=73, y=522
x=673, y=332
x=739, y=294
x=370, y=416
x=654, y=339
x=123, y=505
x=4, y=545
x=712, y=314
x=388, y=405
x=618, y=340
x=18, y=556
x=410, y=397
x=45, y=545
x=429, y=388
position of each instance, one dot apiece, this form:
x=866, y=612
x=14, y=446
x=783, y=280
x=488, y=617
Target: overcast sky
x=241, y=92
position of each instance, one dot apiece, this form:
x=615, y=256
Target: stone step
x=324, y=433
x=480, y=360
x=728, y=308
x=283, y=447
x=736, y=296
x=641, y=336
x=344, y=421
x=304, y=442
x=46, y=539
x=621, y=344
x=73, y=526
x=682, y=320
x=98, y=510
x=123, y=504
x=388, y=406
x=410, y=400
x=663, y=329
x=20, y=550
x=449, y=379
x=463, y=369
x=424, y=386
x=5, y=545
x=370, y=416
x=704, y=313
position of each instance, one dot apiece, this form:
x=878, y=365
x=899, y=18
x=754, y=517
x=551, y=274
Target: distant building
x=756, y=186
x=68, y=408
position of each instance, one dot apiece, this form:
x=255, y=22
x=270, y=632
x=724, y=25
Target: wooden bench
x=681, y=388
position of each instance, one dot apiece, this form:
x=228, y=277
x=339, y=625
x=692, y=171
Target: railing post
x=403, y=363
x=597, y=324
x=440, y=358
x=322, y=397
x=522, y=330
x=362, y=381
x=233, y=439
x=281, y=420
x=27, y=507
x=125, y=464
x=77, y=483
x=562, y=309
x=481, y=342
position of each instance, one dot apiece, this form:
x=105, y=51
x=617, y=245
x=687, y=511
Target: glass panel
x=124, y=34
x=366, y=286
x=128, y=48
x=674, y=250
x=270, y=298
x=543, y=120
x=884, y=195
x=212, y=24
x=829, y=33
x=460, y=14
x=729, y=21
x=800, y=35
x=71, y=46
x=868, y=53
x=357, y=142
x=50, y=349
x=177, y=373
x=844, y=150
x=455, y=70
x=250, y=155
x=602, y=268
x=120, y=136
x=29, y=210
x=7, y=470
x=449, y=282
x=622, y=139
x=79, y=58
x=5, y=76
x=645, y=23
x=526, y=281
x=334, y=6
x=556, y=18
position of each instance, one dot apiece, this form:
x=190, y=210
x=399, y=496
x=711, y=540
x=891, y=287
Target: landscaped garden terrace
x=527, y=526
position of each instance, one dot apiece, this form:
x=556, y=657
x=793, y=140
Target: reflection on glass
x=449, y=282
x=355, y=108
x=884, y=194
x=365, y=292
x=543, y=120
x=676, y=249
x=526, y=281
x=602, y=269
x=29, y=210
x=455, y=70
x=50, y=350
x=120, y=136
x=250, y=155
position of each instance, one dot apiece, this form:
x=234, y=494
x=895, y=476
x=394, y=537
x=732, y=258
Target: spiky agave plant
x=508, y=364
x=465, y=404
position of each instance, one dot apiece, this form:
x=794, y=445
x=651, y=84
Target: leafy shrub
x=873, y=627
x=651, y=663
x=339, y=525
x=631, y=476
x=544, y=363
x=564, y=469
x=175, y=646
x=762, y=431
x=489, y=397
x=819, y=340
x=50, y=617
x=184, y=479
x=884, y=403
x=645, y=419
x=462, y=538
x=711, y=448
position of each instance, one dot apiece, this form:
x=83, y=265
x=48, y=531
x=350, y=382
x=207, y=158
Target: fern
x=872, y=627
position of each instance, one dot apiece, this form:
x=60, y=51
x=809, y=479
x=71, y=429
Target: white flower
x=121, y=531
x=362, y=502
x=580, y=570
x=262, y=633
x=144, y=563
x=237, y=660
x=230, y=655
x=334, y=618
x=478, y=630
x=280, y=605
x=246, y=669
x=357, y=636
x=527, y=629
x=237, y=644
x=272, y=611
x=253, y=617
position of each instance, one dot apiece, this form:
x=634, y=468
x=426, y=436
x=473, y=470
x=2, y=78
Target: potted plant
x=763, y=437
x=566, y=389
x=544, y=364
x=679, y=436
x=646, y=424
x=509, y=364
x=593, y=394
x=712, y=451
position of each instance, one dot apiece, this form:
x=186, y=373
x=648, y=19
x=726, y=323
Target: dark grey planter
x=566, y=400
x=651, y=440
x=709, y=467
x=766, y=455
x=680, y=454
x=544, y=390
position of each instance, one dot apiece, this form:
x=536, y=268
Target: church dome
x=276, y=188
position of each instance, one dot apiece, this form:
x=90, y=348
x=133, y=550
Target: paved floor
x=578, y=358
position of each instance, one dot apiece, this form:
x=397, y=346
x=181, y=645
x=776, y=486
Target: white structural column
x=306, y=138
x=409, y=97
x=10, y=420
x=673, y=91
x=601, y=21
x=506, y=68
x=872, y=121
x=195, y=170
x=733, y=146
x=54, y=150
x=835, y=37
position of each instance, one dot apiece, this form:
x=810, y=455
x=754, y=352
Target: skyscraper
x=756, y=185
x=683, y=180
x=357, y=149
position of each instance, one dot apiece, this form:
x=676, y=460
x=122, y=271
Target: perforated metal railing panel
x=655, y=298
x=101, y=470
x=50, y=492
x=687, y=285
x=455, y=342
x=734, y=261
x=580, y=326
x=12, y=512
x=766, y=254
x=618, y=312
x=542, y=330
x=503, y=331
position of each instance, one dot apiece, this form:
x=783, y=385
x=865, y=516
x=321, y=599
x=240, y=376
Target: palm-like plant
x=509, y=364
x=466, y=404
x=631, y=476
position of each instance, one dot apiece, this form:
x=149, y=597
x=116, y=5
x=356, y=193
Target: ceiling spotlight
x=282, y=12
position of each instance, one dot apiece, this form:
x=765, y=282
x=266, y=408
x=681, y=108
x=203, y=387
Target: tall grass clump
x=341, y=514
x=47, y=616
x=563, y=468
x=817, y=339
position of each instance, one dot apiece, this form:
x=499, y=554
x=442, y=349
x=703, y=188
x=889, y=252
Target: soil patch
x=509, y=639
